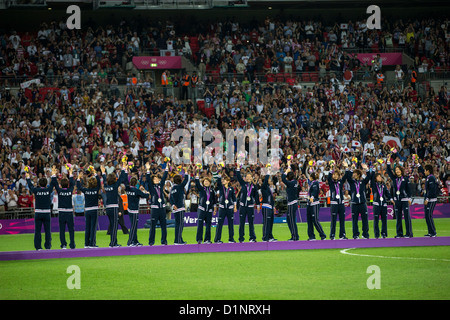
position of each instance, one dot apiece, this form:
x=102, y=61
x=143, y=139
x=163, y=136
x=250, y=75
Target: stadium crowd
x=87, y=120
x=103, y=53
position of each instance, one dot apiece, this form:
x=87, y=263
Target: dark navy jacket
x=177, y=195
x=431, y=187
x=90, y=195
x=334, y=186
x=112, y=192
x=134, y=195
x=64, y=195
x=223, y=192
x=400, y=184
x=154, y=189
x=42, y=197
x=313, y=192
x=254, y=198
x=291, y=189
x=376, y=188
x=203, y=197
x=268, y=200
x=353, y=187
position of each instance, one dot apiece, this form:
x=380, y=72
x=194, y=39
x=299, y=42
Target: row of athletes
x=225, y=202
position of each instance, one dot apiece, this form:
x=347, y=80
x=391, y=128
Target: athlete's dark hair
x=314, y=176
x=401, y=170
x=42, y=182
x=158, y=175
x=177, y=179
x=64, y=183
x=111, y=178
x=290, y=175
x=378, y=174
x=92, y=182
x=133, y=181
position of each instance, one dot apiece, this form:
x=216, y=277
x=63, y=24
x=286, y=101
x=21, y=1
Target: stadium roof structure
x=210, y=4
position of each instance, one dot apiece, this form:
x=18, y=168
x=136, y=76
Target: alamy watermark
x=74, y=20
x=74, y=280
x=374, y=280
x=237, y=147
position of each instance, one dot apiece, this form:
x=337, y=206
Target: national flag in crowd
x=346, y=149
x=336, y=152
x=356, y=144
x=392, y=142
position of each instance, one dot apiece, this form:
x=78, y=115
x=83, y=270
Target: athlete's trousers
x=268, y=216
x=90, y=235
x=225, y=213
x=337, y=211
x=312, y=219
x=380, y=212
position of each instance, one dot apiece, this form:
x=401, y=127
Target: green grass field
x=417, y=273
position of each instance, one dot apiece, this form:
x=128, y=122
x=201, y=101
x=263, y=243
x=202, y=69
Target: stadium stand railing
x=28, y=213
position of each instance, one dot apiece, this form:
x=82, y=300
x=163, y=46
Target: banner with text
x=17, y=226
x=165, y=62
x=388, y=59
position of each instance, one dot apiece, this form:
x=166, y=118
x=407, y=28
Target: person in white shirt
x=118, y=102
x=119, y=143
x=36, y=123
x=118, y=115
x=15, y=40
x=126, y=119
x=11, y=200
x=6, y=141
x=149, y=143
x=31, y=49
x=135, y=145
x=26, y=155
x=21, y=182
x=399, y=75
x=309, y=29
x=107, y=117
x=135, y=40
x=109, y=168
x=288, y=63
x=167, y=150
x=259, y=106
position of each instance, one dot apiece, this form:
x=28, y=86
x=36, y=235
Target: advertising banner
x=388, y=59
x=17, y=226
x=165, y=62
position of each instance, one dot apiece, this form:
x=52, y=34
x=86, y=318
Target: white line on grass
x=345, y=251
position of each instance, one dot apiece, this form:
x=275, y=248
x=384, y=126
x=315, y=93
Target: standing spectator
x=288, y=63
x=78, y=203
x=11, y=200
x=399, y=76
x=25, y=199
x=3, y=193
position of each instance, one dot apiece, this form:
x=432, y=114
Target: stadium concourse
x=79, y=102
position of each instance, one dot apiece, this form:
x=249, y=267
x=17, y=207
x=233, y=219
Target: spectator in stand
x=11, y=200
x=25, y=199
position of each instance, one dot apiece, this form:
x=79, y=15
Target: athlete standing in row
x=430, y=198
x=91, y=194
x=337, y=207
x=291, y=183
x=402, y=199
x=65, y=206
